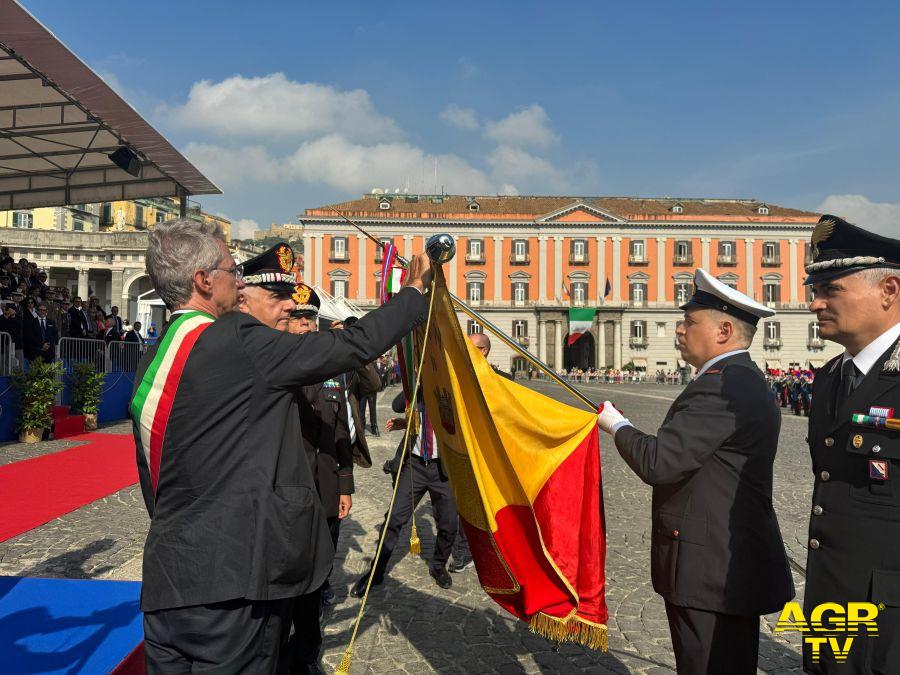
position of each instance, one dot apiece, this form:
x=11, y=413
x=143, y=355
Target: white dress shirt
x=869, y=354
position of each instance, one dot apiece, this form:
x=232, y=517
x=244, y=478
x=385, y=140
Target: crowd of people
x=792, y=389
x=36, y=315
x=623, y=376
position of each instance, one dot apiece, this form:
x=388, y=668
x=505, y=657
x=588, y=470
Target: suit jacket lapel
x=873, y=386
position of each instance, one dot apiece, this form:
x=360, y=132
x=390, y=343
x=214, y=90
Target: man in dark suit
x=236, y=528
x=40, y=336
x=854, y=529
x=717, y=556
x=79, y=322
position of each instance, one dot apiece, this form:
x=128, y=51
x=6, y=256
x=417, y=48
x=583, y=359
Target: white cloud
x=340, y=163
x=243, y=228
x=517, y=165
x=228, y=167
x=527, y=127
x=275, y=106
x=880, y=217
x=461, y=118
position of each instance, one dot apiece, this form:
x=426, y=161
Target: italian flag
x=152, y=402
x=580, y=321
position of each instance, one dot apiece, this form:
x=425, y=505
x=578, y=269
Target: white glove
x=610, y=419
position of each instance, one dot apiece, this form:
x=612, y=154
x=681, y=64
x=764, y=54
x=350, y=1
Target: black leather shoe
x=441, y=577
x=359, y=588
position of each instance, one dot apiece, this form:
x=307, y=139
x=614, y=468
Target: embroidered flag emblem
x=878, y=469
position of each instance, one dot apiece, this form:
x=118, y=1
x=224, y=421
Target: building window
x=473, y=205
x=475, y=251
x=683, y=254
x=660, y=329
x=807, y=253
x=771, y=291
x=473, y=327
x=678, y=208
x=23, y=219
x=379, y=250
x=729, y=280
x=77, y=225
x=338, y=248
x=520, y=329
x=520, y=293
x=638, y=333
x=773, y=334
x=682, y=292
x=519, y=251
x=106, y=214
x=763, y=210
x=814, y=339
x=384, y=204
x=339, y=288
x=637, y=291
x=579, y=293
x=578, y=252
x=475, y=291
x=770, y=253
x=636, y=253
x=139, y=216
x=726, y=253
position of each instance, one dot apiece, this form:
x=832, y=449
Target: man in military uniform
x=717, y=556
x=854, y=529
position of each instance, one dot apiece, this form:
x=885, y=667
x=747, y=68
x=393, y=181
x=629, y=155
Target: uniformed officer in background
x=717, y=556
x=854, y=529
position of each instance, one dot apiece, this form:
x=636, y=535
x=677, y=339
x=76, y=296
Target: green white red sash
x=152, y=402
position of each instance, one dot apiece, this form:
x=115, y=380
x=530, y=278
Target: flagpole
x=508, y=341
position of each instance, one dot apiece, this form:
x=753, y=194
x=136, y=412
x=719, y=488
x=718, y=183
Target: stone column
x=617, y=344
x=307, y=258
x=452, y=272
x=542, y=340
x=558, y=357
x=748, y=253
x=557, y=268
x=617, y=270
x=361, y=252
x=83, y=284
x=407, y=246
x=795, y=298
x=601, y=270
x=498, y=270
x=542, y=269
x=661, y=281
x=115, y=291
x=319, y=263
x=704, y=254
x=601, y=342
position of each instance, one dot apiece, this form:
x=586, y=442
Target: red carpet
x=35, y=491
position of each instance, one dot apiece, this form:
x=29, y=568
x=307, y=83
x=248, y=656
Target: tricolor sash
x=152, y=402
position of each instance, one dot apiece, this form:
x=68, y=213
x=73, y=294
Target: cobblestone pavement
x=411, y=625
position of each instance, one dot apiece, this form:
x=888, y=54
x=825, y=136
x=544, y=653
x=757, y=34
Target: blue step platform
x=68, y=625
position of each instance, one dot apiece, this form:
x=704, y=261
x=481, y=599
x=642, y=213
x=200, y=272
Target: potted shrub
x=38, y=388
x=87, y=387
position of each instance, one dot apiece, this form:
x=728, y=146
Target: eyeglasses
x=237, y=271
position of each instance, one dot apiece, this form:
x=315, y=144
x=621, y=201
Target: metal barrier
x=8, y=359
x=123, y=357
x=82, y=350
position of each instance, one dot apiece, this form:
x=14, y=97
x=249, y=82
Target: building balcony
x=519, y=259
x=772, y=343
x=637, y=303
x=637, y=341
x=683, y=260
x=574, y=302
x=475, y=258
x=770, y=261
x=575, y=259
x=726, y=260
x=523, y=340
x=338, y=257
x=638, y=260
x=815, y=343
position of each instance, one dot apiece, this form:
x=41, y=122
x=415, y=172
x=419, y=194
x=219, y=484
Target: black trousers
x=236, y=636
x=369, y=401
x=416, y=479
x=709, y=643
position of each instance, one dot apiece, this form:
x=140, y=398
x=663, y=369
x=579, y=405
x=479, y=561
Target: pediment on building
x=579, y=212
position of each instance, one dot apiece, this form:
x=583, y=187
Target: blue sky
x=288, y=105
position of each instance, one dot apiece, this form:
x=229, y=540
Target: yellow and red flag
x=525, y=472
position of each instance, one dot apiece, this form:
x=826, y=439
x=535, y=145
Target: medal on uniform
x=857, y=441
x=878, y=469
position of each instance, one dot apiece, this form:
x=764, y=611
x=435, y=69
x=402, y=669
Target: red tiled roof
x=531, y=208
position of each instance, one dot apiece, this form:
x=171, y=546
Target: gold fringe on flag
x=344, y=667
x=572, y=629
x=415, y=545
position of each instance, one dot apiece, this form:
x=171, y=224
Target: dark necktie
x=43, y=330
x=850, y=376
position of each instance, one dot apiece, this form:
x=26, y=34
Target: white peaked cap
x=710, y=293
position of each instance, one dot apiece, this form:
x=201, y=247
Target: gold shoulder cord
x=344, y=667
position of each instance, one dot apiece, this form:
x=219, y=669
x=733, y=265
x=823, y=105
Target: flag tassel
x=415, y=544
x=572, y=629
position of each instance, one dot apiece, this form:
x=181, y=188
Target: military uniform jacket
x=326, y=439
x=235, y=514
x=854, y=527
x=716, y=544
